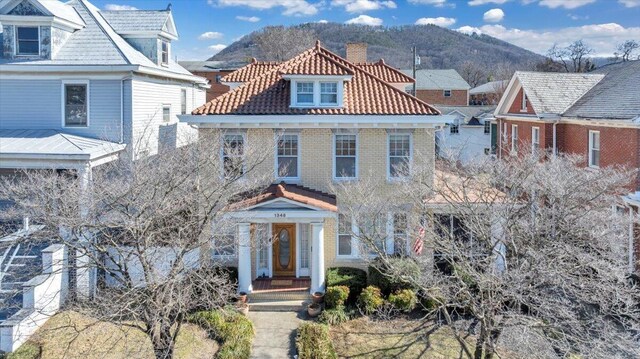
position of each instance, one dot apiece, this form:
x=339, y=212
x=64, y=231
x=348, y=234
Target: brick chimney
x=357, y=52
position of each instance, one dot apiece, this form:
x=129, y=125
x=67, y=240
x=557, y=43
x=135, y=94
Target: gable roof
x=616, y=96
x=490, y=87
x=291, y=192
x=268, y=92
x=385, y=72
x=43, y=7
x=554, y=93
x=469, y=111
x=132, y=21
x=429, y=79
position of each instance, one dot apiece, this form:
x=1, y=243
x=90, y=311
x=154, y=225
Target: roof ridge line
x=64, y=135
x=105, y=32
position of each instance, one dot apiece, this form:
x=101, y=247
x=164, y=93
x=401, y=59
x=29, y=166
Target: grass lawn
x=72, y=335
x=398, y=338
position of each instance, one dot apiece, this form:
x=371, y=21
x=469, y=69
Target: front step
x=278, y=301
x=279, y=306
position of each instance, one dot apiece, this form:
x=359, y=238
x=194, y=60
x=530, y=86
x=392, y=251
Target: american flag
x=419, y=244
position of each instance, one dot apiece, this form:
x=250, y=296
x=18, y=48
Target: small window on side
x=183, y=101
x=524, y=102
x=446, y=93
x=535, y=139
x=76, y=105
x=28, y=40
x=594, y=148
x=345, y=247
x=514, y=139
x=164, y=58
x=166, y=113
x=487, y=127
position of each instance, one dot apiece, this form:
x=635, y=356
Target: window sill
x=75, y=126
x=288, y=179
x=345, y=179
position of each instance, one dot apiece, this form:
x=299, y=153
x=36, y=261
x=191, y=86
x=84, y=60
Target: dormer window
x=164, y=57
x=304, y=93
x=329, y=93
x=28, y=41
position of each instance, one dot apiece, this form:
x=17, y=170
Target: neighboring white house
x=468, y=137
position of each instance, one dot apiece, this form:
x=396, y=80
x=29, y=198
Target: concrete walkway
x=275, y=334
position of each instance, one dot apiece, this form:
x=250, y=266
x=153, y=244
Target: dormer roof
x=52, y=8
x=142, y=23
x=268, y=91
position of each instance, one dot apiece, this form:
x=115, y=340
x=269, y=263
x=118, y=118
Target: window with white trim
x=345, y=245
x=183, y=101
x=594, y=148
x=233, y=154
x=400, y=237
x=345, y=156
x=514, y=138
x=487, y=127
x=535, y=139
x=164, y=55
x=76, y=104
x=166, y=113
x=399, y=155
x=454, y=128
x=27, y=40
x=288, y=156
x=524, y=102
x=446, y=93
x=304, y=93
x=328, y=93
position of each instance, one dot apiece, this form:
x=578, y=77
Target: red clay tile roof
x=251, y=71
x=292, y=192
x=267, y=93
x=385, y=72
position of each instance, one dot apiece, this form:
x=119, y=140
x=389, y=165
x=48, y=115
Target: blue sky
x=207, y=26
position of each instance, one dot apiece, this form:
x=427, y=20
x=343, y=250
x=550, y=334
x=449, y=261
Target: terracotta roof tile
x=250, y=71
x=268, y=93
x=385, y=72
x=292, y=192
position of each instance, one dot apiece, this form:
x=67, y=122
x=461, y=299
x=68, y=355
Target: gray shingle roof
x=126, y=21
x=490, y=87
x=210, y=66
x=554, y=93
x=468, y=111
x=617, y=96
x=438, y=80
x=52, y=143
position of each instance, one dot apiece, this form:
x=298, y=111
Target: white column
x=317, y=257
x=86, y=271
x=244, y=258
x=498, y=237
x=390, y=243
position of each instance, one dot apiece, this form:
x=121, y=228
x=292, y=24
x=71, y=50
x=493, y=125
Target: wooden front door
x=284, y=249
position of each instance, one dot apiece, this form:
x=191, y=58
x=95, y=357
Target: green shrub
x=370, y=300
x=404, y=300
x=354, y=278
x=28, y=350
x=313, y=342
x=390, y=281
x=336, y=296
x=233, y=330
x=431, y=300
x=334, y=316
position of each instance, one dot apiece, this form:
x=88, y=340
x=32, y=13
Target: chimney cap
x=318, y=44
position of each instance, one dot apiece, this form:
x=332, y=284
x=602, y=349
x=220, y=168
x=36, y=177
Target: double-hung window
x=345, y=156
x=183, y=101
x=514, y=138
x=535, y=139
x=594, y=148
x=400, y=237
x=487, y=127
x=233, y=155
x=164, y=55
x=399, y=155
x=345, y=245
x=166, y=113
x=328, y=93
x=27, y=40
x=304, y=93
x=76, y=104
x=288, y=156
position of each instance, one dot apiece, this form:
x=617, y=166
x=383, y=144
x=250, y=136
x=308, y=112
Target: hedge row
x=313, y=342
x=233, y=330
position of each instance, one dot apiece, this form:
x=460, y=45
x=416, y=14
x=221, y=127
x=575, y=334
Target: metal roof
x=210, y=66
x=438, y=80
x=127, y=21
x=616, y=96
x=53, y=144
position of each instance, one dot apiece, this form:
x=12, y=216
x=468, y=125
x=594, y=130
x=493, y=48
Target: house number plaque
x=280, y=215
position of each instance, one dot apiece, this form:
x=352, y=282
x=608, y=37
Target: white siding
x=467, y=146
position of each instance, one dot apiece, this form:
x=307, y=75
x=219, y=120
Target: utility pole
x=416, y=61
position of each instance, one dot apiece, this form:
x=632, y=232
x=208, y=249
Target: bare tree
x=148, y=228
x=279, y=43
x=520, y=244
x=625, y=51
x=473, y=73
x=574, y=58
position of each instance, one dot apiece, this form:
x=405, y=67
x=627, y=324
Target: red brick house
x=596, y=115
x=213, y=71
x=441, y=87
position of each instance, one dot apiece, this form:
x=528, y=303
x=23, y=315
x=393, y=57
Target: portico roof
x=292, y=192
x=52, y=148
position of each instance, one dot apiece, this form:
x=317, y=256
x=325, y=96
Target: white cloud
x=322, y=21
x=248, y=18
x=440, y=21
x=484, y=2
x=356, y=6
x=210, y=35
x=493, y=15
x=567, y=4
x=116, y=7
x=436, y=3
x=577, y=17
x=365, y=20
x=602, y=37
x=216, y=48
x=291, y=7
x=630, y=3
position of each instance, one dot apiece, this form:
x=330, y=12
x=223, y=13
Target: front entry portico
x=281, y=235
